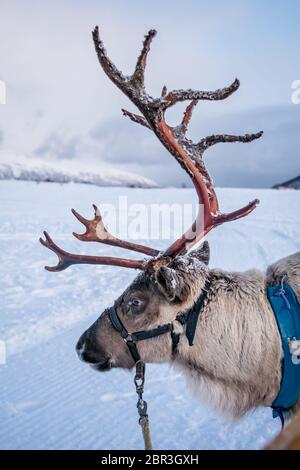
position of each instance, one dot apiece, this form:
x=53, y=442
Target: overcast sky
x=61, y=105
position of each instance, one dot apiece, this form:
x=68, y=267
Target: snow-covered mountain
x=66, y=171
x=293, y=183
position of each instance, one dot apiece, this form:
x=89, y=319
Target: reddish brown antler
x=67, y=259
x=188, y=154
x=97, y=232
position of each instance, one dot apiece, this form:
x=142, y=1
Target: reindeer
x=229, y=347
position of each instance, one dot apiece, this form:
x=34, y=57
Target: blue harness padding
x=286, y=309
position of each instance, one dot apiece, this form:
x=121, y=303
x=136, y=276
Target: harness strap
x=175, y=339
x=133, y=350
x=116, y=321
x=160, y=330
x=279, y=412
x=286, y=308
x=193, y=315
x=188, y=318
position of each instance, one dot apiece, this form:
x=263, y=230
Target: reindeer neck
x=235, y=359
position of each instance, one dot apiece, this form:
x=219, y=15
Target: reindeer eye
x=135, y=302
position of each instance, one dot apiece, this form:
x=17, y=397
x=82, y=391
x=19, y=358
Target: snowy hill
x=294, y=183
x=49, y=399
x=63, y=171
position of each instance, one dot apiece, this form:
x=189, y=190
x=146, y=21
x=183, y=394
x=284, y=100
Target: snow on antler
x=187, y=153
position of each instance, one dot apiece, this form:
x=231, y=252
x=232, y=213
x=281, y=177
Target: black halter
x=188, y=318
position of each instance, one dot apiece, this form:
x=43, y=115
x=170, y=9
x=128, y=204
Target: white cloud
x=57, y=95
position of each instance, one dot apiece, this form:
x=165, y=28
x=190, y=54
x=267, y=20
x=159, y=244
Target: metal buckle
x=139, y=378
x=128, y=338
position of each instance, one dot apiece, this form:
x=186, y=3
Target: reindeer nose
x=87, y=351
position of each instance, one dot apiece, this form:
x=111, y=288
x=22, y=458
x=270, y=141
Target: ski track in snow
x=51, y=400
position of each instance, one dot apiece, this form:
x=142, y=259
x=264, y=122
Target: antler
x=188, y=154
x=66, y=259
x=97, y=232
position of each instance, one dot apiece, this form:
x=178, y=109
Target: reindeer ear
x=171, y=284
x=202, y=253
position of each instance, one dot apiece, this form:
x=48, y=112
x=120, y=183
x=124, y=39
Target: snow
x=63, y=171
x=49, y=399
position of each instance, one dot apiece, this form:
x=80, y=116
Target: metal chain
x=139, y=381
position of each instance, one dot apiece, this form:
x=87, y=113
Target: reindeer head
x=156, y=296
x=169, y=281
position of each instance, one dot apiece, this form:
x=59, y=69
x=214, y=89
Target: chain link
x=139, y=381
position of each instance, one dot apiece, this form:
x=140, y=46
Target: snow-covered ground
x=48, y=398
x=65, y=171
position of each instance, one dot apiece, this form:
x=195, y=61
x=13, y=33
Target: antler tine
x=164, y=91
x=221, y=218
x=203, y=224
x=187, y=115
x=224, y=138
x=97, y=232
x=116, y=75
x=175, y=96
x=62, y=255
x=66, y=259
x=136, y=118
x=132, y=86
x=138, y=76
